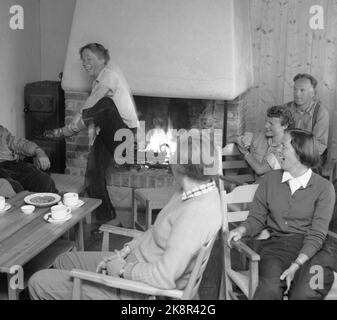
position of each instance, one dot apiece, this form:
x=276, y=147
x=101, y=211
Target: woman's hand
x=115, y=264
x=289, y=274
x=243, y=150
x=245, y=140
x=235, y=235
x=104, y=266
x=125, y=251
x=101, y=268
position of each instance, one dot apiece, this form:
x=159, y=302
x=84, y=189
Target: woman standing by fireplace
x=109, y=107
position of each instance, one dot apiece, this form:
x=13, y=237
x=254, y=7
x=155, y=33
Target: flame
x=161, y=141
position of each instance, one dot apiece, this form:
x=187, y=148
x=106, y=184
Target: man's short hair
x=305, y=146
x=307, y=76
x=197, y=146
x=98, y=50
x=283, y=113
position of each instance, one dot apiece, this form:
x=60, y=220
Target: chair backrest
x=235, y=169
x=235, y=203
x=193, y=283
x=235, y=209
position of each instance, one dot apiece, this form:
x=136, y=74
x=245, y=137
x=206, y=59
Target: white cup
x=2, y=203
x=70, y=199
x=59, y=212
x=28, y=209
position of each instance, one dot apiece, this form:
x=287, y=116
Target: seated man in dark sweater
x=20, y=174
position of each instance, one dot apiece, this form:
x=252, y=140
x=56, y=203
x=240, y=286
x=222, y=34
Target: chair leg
x=105, y=242
x=77, y=289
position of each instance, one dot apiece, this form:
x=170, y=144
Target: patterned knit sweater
x=166, y=252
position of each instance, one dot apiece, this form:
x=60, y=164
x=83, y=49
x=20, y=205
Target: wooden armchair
x=190, y=291
x=245, y=280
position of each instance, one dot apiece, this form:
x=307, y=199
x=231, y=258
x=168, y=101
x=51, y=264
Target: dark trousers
x=25, y=176
x=277, y=253
x=105, y=115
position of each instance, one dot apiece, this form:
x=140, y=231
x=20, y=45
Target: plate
x=42, y=199
x=7, y=207
x=80, y=203
x=47, y=217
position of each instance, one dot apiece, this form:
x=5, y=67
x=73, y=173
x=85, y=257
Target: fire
x=161, y=141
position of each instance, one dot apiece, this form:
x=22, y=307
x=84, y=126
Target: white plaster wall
x=56, y=19
x=19, y=61
x=183, y=49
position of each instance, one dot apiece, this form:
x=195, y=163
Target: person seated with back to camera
x=20, y=174
x=295, y=206
x=164, y=255
x=263, y=152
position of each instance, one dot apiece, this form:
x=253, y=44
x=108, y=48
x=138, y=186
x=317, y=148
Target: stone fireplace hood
x=199, y=49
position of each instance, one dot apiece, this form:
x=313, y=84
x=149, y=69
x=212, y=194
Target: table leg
x=79, y=238
x=88, y=219
x=13, y=294
x=134, y=208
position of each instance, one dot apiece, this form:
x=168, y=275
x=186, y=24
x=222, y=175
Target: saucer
x=7, y=207
x=80, y=203
x=47, y=217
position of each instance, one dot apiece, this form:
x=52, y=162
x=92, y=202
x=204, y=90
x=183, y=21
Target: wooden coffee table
x=23, y=238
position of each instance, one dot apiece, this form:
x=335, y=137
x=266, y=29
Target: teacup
x=59, y=212
x=70, y=199
x=2, y=203
x=28, y=209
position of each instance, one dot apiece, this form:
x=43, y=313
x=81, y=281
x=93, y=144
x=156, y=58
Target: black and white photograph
x=178, y=151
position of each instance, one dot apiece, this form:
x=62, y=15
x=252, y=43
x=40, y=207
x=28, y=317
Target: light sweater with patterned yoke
x=165, y=254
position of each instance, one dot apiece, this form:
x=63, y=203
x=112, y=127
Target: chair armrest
x=125, y=284
x=121, y=231
x=231, y=180
x=242, y=247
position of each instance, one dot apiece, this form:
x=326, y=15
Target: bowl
x=28, y=209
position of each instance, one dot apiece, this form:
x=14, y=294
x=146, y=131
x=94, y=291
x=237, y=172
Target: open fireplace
x=159, y=115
